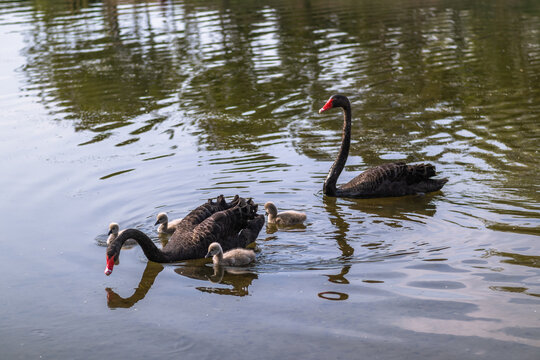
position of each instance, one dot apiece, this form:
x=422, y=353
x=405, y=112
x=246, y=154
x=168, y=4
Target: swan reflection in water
x=390, y=211
x=237, y=281
x=149, y=276
x=272, y=228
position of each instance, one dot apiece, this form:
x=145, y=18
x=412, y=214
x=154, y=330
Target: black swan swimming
x=235, y=224
x=392, y=179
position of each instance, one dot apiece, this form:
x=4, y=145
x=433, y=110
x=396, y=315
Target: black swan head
x=112, y=258
x=336, y=101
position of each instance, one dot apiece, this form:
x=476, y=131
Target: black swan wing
x=393, y=179
x=203, y=212
x=226, y=227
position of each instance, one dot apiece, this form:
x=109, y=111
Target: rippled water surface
x=118, y=110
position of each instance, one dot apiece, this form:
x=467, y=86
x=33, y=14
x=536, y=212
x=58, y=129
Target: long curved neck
x=329, y=187
x=149, y=248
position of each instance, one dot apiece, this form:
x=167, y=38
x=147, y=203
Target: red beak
x=326, y=106
x=110, y=265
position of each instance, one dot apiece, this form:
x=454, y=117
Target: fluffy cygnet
x=113, y=232
x=234, y=257
x=166, y=226
x=290, y=217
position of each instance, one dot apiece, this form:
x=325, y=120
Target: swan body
x=285, y=218
x=234, y=257
x=392, y=179
x=166, y=226
x=232, y=225
x=114, y=228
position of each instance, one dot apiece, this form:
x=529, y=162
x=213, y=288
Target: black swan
x=284, y=218
x=234, y=257
x=393, y=179
x=235, y=224
x=166, y=227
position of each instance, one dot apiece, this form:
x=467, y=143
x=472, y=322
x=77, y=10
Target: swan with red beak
x=391, y=179
x=329, y=104
x=110, y=265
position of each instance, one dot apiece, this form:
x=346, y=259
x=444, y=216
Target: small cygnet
x=167, y=227
x=285, y=218
x=113, y=232
x=234, y=257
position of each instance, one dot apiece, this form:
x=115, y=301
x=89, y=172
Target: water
x=116, y=111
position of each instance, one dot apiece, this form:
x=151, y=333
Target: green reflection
x=453, y=83
x=253, y=64
x=517, y=259
x=514, y=289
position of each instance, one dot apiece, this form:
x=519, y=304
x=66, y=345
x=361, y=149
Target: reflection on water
x=336, y=279
x=333, y=295
x=272, y=228
x=340, y=278
x=341, y=227
x=427, y=84
x=237, y=280
x=149, y=276
x=516, y=259
x=117, y=110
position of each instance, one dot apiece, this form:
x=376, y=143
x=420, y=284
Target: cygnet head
x=162, y=218
x=113, y=229
x=214, y=249
x=270, y=208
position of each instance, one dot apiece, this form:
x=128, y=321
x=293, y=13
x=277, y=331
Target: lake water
x=118, y=110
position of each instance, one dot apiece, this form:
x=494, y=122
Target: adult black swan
x=234, y=224
x=393, y=179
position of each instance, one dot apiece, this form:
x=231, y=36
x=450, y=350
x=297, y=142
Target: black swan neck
x=147, y=245
x=329, y=187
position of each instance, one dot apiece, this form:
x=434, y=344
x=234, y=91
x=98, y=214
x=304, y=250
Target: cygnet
x=113, y=232
x=166, y=227
x=284, y=218
x=234, y=257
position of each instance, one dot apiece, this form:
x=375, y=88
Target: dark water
x=118, y=110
